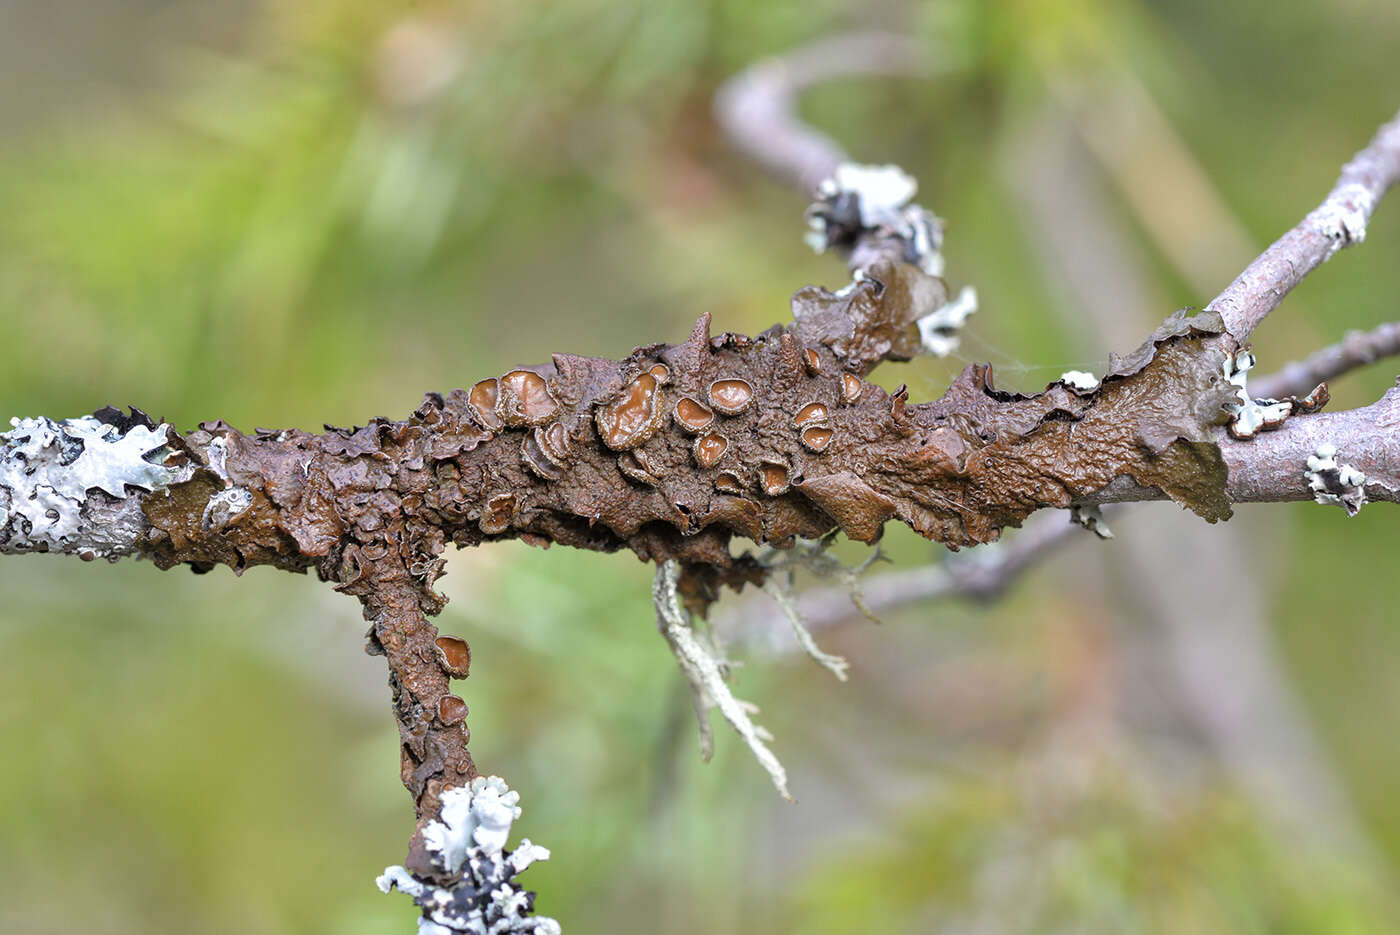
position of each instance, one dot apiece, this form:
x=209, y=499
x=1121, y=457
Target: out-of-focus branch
x=758, y=107
x=1338, y=222
x=981, y=575
x=1357, y=349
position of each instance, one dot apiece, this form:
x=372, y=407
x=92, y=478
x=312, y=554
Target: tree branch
x=1338, y=222
x=677, y=448
x=1357, y=349
x=981, y=576
x=757, y=109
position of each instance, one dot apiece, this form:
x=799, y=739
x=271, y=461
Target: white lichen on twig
x=1090, y=516
x=1253, y=414
x=1080, y=380
x=467, y=842
x=706, y=670
x=876, y=199
x=1250, y=415
x=1333, y=483
x=66, y=486
x=814, y=555
x=938, y=330
x=1342, y=218
x=860, y=203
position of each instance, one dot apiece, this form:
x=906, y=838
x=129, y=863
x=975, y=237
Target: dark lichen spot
x=537, y=459
x=810, y=414
x=500, y=510
x=897, y=402
x=773, y=477
x=451, y=709
x=638, y=467
x=553, y=440
x=729, y=482
x=851, y=388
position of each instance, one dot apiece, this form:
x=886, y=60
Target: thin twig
x=758, y=107
x=1338, y=222
x=983, y=574
x=1357, y=349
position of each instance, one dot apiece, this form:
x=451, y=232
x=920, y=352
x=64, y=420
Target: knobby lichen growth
x=670, y=453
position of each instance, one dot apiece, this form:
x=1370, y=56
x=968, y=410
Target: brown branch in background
x=1338, y=222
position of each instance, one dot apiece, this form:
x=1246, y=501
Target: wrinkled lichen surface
x=670, y=453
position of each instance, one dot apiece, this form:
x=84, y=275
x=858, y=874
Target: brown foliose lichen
x=630, y=454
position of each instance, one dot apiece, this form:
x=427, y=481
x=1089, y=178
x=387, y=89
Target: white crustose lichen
x=468, y=843
x=880, y=199
x=1342, y=218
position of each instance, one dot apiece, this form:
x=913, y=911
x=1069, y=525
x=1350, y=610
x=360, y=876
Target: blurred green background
x=295, y=213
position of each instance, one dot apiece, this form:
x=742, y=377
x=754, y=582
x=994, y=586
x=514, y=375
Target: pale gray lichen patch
x=66, y=486
x=467, y=842
x=938, y=330
x=1333, y=483
x=217, y=454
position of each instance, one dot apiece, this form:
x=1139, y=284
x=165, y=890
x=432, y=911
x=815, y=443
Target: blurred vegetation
x=289, y=214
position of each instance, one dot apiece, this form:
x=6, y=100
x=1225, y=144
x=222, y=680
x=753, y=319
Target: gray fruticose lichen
x=68, y=486
x=468, y=842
